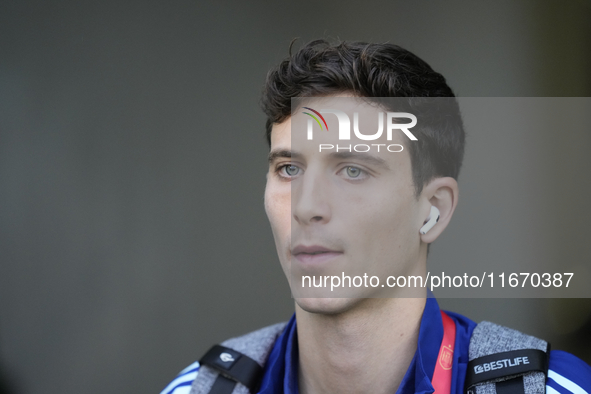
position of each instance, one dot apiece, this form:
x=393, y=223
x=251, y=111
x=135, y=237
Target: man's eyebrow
x=364, y=157
x=277, y=153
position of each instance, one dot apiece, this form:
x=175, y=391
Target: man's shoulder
x=567, y=374
x=183, y=381
x=255, y=344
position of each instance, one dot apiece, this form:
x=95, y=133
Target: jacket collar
x=281, y=373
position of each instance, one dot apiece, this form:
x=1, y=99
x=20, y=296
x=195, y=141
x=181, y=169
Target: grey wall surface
x=132, y=169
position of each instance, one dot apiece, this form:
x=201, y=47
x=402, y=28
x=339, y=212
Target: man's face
x=335, y=213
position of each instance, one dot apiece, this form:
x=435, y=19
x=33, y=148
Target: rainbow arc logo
x=315, y=118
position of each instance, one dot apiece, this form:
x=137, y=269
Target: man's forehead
x=344, y=128
x=286, y=136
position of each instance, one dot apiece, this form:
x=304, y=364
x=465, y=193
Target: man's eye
x=353, y=172
x=290, y=170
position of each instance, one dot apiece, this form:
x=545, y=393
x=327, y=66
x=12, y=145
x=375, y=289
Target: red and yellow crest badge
x=446, y=357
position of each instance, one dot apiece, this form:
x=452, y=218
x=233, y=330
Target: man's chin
x=327, y=306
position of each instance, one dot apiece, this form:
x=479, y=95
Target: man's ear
x=443, y=194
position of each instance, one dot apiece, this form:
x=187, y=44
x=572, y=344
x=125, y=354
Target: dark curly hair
x=320, y=68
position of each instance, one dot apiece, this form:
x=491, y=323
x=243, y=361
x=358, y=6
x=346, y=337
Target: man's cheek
x=278, y=212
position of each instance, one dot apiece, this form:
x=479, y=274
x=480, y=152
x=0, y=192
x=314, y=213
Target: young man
x=357, y=210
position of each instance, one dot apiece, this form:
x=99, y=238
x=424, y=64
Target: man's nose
x=311, y=198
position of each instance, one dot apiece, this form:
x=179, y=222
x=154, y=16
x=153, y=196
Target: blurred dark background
x=132, y=169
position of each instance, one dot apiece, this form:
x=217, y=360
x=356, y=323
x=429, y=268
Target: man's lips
x=314, y=253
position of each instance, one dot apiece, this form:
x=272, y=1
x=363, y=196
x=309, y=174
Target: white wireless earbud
x=431, y=220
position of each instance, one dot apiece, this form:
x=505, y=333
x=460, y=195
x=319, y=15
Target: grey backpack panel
x=256, y=345
x=489, y=338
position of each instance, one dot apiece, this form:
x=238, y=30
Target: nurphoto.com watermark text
x=431, y=281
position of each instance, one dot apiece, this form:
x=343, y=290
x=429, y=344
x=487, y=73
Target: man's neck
x=367, y=349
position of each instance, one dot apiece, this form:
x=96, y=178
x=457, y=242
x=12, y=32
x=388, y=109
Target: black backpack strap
x=236, y=365
x=506, y=361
